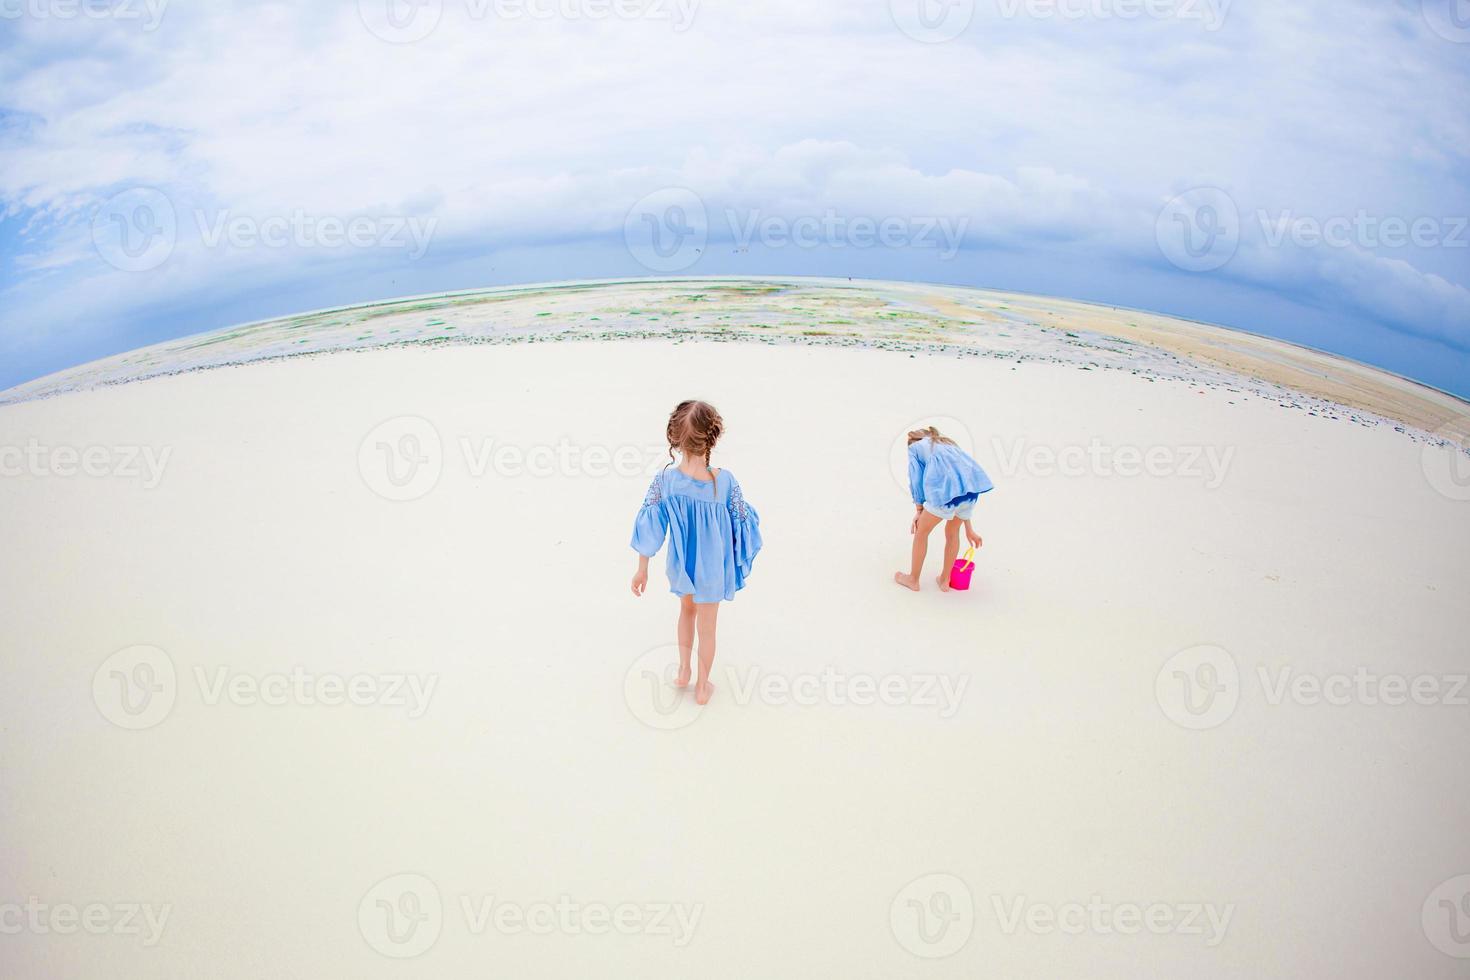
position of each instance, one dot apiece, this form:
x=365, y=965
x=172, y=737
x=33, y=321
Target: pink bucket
x=964, y=567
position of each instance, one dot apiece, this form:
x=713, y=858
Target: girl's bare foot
x=702, y=692
x=944, y=583
x=907, y=581
x=682, y=679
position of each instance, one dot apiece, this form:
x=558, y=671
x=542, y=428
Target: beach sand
x=886, y=784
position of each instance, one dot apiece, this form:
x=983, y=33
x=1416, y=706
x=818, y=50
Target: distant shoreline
x=905, y=316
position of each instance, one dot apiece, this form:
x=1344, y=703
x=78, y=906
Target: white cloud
x=526, y=130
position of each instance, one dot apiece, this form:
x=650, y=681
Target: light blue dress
x=714, y=535
x=943, y=477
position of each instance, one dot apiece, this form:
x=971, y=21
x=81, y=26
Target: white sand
x=1321, y=830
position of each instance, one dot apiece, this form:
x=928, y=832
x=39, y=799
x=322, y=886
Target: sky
x=1300, y=170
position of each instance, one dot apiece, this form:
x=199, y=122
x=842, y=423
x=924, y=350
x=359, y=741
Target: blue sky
x=1300, y=170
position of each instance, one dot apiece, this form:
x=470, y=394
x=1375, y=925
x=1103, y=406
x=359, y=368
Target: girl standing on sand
x=945, y=483
x=714, y=535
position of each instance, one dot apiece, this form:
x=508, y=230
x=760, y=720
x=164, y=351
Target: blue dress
x=942, y=475
x=714, y=535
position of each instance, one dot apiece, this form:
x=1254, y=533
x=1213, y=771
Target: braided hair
x=694, y=428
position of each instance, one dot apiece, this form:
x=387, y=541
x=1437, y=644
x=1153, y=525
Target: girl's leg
x=951, y=551
x=704, y=619
x=927, y=523
x=686, y=639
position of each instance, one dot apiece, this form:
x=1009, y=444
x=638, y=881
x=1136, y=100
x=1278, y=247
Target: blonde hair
x=930, y=433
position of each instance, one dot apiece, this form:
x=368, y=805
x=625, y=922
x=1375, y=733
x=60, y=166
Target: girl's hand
x=640, y=581
x=975, y=540
x=914, y=527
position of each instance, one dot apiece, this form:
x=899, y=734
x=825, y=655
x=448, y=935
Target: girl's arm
x=916, y=486
x=916, y=477
x=649, y=530
x=970, y=535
